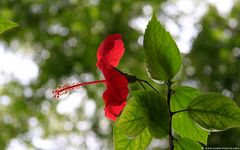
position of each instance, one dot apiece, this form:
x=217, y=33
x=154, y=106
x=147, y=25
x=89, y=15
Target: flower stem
x=144, y=81
x=169, y=93
x=141, y=84
x=133, y=79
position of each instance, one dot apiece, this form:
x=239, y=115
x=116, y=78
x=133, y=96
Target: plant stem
x=169, y=93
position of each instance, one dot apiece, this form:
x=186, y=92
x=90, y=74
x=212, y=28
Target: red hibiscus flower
x=115, y=96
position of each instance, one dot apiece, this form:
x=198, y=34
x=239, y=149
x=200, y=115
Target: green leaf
x=162, y=55
x=134, y=117
x=185, y=127
x=214, y=112
x=182, y=96
x=186, y=144
x=6, y=24
x=158, y=112
x=181, y=122
x=123, y=142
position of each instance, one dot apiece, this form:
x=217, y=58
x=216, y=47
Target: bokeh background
x=56, y=43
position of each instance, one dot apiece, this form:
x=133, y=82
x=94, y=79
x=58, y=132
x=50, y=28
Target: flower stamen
x=61, y=90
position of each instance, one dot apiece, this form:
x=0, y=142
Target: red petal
x=111, y=50
x=115, y=96
x=112, y=112
x=110, y=116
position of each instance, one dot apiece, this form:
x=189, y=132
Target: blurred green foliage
x=64, y=36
